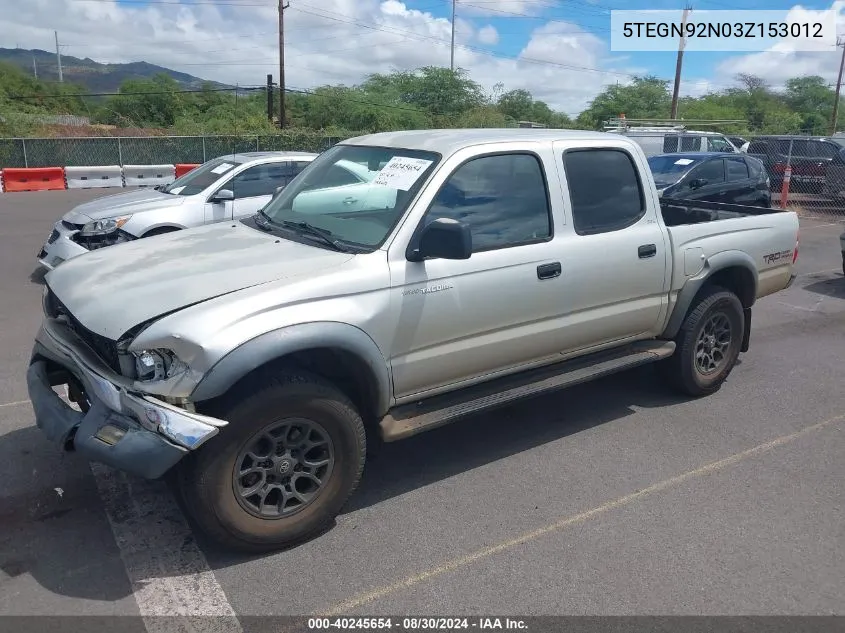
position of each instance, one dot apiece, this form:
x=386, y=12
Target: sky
x=559, y=50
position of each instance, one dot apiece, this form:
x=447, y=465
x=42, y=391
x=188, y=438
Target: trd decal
x=771, y=258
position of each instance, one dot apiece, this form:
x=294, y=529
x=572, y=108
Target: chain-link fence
x=811, y=167
x=150, y=150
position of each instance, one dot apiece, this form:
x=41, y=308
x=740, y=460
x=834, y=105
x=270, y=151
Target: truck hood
x=111, y=290
x=125, y=203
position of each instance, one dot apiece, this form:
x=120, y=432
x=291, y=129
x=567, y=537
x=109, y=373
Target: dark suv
x=812, y=159
x=715, y=177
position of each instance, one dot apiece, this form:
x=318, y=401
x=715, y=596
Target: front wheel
x=292, y=454
x=708, y=344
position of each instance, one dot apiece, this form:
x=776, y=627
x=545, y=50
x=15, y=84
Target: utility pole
x=679, y=64
x=282, y=6
x=841, y=43
x=452, y=61
x=270, y=98
x=58, y=56
x=34, y=67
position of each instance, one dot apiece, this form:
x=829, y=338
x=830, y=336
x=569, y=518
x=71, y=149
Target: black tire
x=682, y=370
x=160, y=231
x=208, y=487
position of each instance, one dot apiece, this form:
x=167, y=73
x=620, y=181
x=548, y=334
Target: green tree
x=644, y=98
x=813, y=100
x=155, y=102
x=520, y=105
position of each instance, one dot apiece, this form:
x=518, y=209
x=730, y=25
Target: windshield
x=670, y=169
x=199, y=179
x=355, y=194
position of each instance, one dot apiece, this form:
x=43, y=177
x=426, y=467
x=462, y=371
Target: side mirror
x=444, y=238
x=697, y=183
x=223, y=195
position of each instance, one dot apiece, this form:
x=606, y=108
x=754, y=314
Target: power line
x=478, y=49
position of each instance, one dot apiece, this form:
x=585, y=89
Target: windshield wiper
x=324, y=235
x=263, y=221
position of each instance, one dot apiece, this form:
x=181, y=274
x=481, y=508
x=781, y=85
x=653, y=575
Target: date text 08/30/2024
x=416, y=624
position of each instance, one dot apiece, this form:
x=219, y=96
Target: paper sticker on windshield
x=683, y=161
x=222, y=168
x=401, y=172
x=176, y=191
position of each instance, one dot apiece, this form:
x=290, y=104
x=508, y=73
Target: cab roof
x=246, y=157
x=446, y=142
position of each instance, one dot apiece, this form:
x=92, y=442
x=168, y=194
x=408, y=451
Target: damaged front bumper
x=121, y=427
x=65, y=243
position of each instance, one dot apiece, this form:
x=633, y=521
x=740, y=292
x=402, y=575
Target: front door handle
x=350, y=200
x=548, y=271
x=647, y=250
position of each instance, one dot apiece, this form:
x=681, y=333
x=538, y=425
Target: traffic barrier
x=34, y=179
x=784, y=188
x=93, y=177
x=148, y=175
x=184, y=168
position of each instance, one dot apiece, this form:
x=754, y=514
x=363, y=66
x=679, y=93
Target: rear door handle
x=548, y=271
x=647, y=250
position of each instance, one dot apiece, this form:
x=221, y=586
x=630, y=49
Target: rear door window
x=713, y=171
x=690, y=143
x=737, y=169
x=604, y=189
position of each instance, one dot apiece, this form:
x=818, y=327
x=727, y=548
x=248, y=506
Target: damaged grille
x=104, y=347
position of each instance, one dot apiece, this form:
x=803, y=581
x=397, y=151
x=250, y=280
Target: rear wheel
x=282, y=469
x=708, y=344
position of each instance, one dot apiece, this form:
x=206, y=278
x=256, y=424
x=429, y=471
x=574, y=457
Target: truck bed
x=678, y=212
x=699, y=231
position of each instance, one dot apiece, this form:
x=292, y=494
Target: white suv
x=658, y=141
x=224, y=188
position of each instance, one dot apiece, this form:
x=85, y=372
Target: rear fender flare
x=712, y=265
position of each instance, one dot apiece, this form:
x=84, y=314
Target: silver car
x=224, y=188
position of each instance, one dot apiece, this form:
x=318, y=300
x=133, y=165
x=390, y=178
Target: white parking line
x=169, y=573
x=818, y=226
x=16, y=403
x=819, y=272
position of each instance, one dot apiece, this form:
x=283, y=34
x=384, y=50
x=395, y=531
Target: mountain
x=94, y=76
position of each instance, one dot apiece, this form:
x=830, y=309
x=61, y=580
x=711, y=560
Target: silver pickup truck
x=253, y=363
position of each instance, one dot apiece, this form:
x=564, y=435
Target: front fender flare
x=713, y=264
x=296, y=338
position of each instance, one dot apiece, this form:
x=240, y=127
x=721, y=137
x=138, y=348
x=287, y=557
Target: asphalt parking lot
x=612, y=498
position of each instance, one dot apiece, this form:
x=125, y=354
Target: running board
x=407, y=420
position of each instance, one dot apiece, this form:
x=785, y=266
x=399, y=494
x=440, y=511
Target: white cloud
x=328, y=41
x=488, y=35
x=782, y=62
